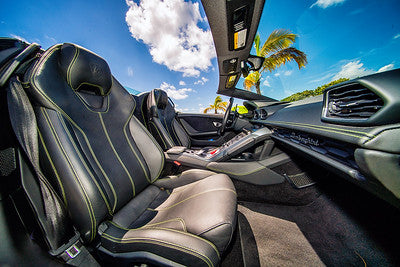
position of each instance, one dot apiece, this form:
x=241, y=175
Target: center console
x=229, y=159
x=201, y=157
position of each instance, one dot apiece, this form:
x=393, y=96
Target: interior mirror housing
x=253, y=63
x=256, y=62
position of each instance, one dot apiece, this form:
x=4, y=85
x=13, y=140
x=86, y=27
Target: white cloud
x=130, y=71
x=181, y=83
x=19, y=38
x=202, y=81
x=396, y=36
x=352, y=70
x=174, y=93
x=386, y=68
x=52, y=40
x=266, y=82
x=277, y=74
x=170, y=30
x=288, y=72
x=201, y=108
x=326, y=3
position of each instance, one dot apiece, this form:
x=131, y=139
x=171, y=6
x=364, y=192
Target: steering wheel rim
x=222, y=128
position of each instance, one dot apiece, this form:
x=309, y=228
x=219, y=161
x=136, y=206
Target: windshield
x=311, y=45
x=168, y=44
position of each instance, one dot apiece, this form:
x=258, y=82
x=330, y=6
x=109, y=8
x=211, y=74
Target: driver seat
x=162, y=122
x=108, y=169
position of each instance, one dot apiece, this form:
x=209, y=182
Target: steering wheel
x=222, y=128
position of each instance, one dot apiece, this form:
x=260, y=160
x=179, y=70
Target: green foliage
x=218, y=105
x=241, y=109
x=307, y=93
x=277, y=50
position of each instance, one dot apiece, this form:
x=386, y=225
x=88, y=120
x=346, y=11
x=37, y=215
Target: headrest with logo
x=84, y=70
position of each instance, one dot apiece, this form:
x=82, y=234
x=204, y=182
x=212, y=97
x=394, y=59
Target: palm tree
x=218, y=105
x=277, y=51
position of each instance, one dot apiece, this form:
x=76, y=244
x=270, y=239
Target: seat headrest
x=161, y=98
x=84, y=70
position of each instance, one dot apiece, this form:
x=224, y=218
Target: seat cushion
x=195, y=210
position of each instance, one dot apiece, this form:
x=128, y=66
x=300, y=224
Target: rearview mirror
x=256, y=61
x=253, y=63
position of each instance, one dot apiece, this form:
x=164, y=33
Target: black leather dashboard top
x=307, y=118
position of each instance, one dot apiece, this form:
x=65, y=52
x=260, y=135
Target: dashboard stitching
x=323, y=127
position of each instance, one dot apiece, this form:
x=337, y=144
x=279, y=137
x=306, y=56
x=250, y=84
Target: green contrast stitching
x=159, y=242
x=130, y=145
x=89, y=108
x=116, y=154
x=325, y=128
x=150, y=225
x=195, y=195
x=86, y=198
x=84, y=163
x=173, y=130
x=162, y=139
x=179, y=189
x=91, y=84
x=53, y=167
x=70, y=66
x=43, y=59
x=167, y=221
x=158, y=147
x=166, y=127
x=76, y=55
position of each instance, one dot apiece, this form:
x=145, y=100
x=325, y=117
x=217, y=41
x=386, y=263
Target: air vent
x=351, y=102
x=263, y=114
x=256, y=116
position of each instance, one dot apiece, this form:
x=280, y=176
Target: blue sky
x=152, y=44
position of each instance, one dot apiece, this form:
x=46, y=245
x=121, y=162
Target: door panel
x=203, y=129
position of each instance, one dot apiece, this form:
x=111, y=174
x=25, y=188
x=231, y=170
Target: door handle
x=217, y=124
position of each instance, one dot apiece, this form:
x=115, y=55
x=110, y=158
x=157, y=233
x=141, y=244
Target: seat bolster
x=180, y=133
x=184, y=178
x=174, y=245
x=159, y=132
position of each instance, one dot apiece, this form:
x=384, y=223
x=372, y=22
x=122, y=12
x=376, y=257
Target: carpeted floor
x=334, y=223
x=279, y=242
x=352, y=228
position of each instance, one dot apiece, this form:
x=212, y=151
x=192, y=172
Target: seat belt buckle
x=73, y=250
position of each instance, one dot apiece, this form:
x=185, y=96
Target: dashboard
x=353, y=129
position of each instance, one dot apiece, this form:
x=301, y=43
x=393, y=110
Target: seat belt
x=50, y=212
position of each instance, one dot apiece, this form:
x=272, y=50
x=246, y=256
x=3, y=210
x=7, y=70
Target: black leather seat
x=141, y=108
x=107, y=168
x=162, y=122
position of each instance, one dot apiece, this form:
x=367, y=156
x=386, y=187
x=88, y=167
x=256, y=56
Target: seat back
x=92, y=148
x=162, y=121
x=141, y=108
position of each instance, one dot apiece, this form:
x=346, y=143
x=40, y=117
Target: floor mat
x=356, y=232
x=300, y=180
x=279, y=242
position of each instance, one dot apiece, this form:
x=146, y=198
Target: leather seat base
x=193, y=204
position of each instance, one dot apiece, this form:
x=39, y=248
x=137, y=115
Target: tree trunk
x=258, y=87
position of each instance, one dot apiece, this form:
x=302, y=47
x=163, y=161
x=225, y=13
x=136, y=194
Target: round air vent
x=256, y=115
x=263, y=114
